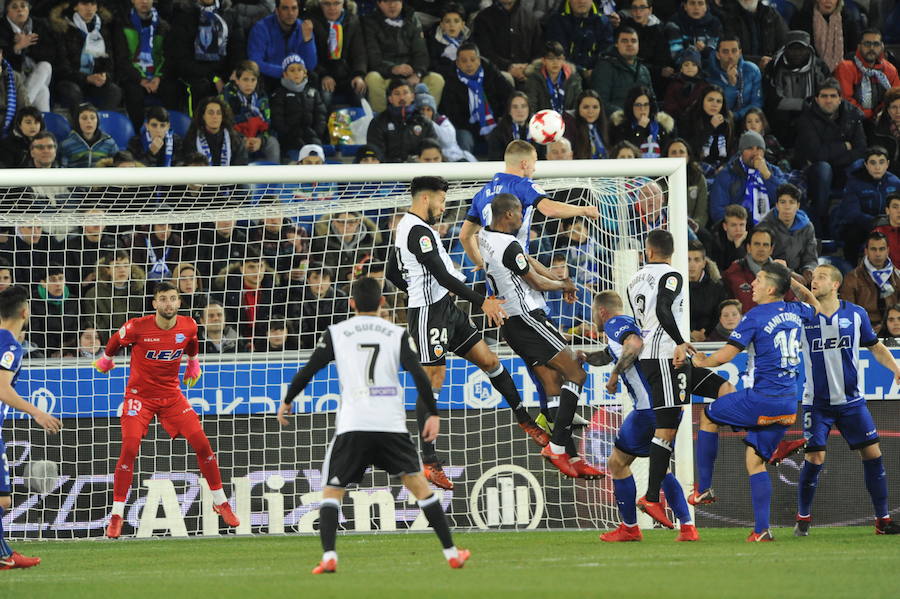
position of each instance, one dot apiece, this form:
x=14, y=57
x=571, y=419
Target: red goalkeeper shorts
x=176, y=416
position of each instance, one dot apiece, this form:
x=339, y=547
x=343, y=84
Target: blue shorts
x=765, y=418
x=854, y=421
x=5, y=480
x=636, y=433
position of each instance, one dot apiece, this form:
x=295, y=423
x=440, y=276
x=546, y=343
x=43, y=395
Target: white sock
x=687, y=523
x=451, y=553
x=629, y=525
x=329, y=555
x=575, y=459
x=219, y=496
x=118, y=508
x=557, y=448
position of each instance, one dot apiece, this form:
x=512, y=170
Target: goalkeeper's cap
x=311, y=150
x=292, y=59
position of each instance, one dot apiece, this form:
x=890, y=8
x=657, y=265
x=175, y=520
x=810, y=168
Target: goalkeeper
x=158, y=342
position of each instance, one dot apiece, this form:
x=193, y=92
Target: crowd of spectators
x=787, y=113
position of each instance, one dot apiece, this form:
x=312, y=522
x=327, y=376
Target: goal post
x=262, y=256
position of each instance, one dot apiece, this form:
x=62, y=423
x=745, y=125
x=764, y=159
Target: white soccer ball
x=546, y=126
x=41, y=475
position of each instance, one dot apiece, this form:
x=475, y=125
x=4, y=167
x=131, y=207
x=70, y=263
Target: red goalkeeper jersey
x=155, y=355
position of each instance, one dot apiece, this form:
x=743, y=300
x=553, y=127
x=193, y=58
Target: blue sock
x=675, y=498
x=761, y=493
x=5, y=549
x=806, y=487
x=626, y=496
x=707, y=450
x=876, y=483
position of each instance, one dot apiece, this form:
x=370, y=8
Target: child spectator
x=250, y=106
x=793, y=235
x=86, y=143
x=54, y=313
x=625, y=150
x=89, y=344
x=430, y=151
x=299, y=116
x=581, y=253
x=728, y=317
x=15, y=148
x=156, y=144
x=443, y=128
x=552, y=82
x=277, y=339
x=687, y=85
x=444, y=39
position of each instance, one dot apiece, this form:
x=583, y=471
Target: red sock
x=124, y=473
x=206, y=460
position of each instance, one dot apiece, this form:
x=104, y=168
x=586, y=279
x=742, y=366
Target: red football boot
x=434, y=473
x=786, y=448
x=326, y=567
x=561, y=461
x=114, y=528
x=707, y=496
x=655, y=510
x=688, y=532
x=587, y=471
x=17, y=560
x=622, y=534
x=460, y=560
x=228, y=516
x=537, y=434
x=761, y=537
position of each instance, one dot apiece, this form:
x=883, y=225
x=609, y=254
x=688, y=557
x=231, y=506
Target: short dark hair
x=157, y=112
x=779, y=275
x=787, y=189
x=736, y=211
x=31, y=111
x=395, y=83
x=760, y=229
x=829, y=83
x=54, y=270
x=870, y=31
x=728, y=37
x=430, y=144
x=556, y=49
x=626, y=29
x=195, y=159
x=661, y=241
x=890, y=198
x=875, y=236
x=559, y=258
x=502, y=203
x=366, y=293
x=11, y=301
x=695, y=245
x=876, y=151
x=454, y=8
x=43, y=135
x=164, y=286
x=470, y=46
x=420, y=184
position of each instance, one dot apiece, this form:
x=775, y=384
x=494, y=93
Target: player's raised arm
x=9, y=396
x=805, y=295
x=426, y=407
x=117, y=341
x=320, y=358
x=468, y=237
x=553, y=209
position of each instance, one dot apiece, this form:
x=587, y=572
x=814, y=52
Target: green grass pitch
x=845, y=562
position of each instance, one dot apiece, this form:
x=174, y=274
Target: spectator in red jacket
x=741, y=273
x=891, y=229
x=867, y=76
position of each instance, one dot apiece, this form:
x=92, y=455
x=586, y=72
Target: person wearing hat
x=311, y=154
x=792, y=76
x=748, y=180
x=299, y=116
x=367, y=155
x=687, y=85
x=397, y=132
x=277, y=36
x=443, y=127
x=87, y=69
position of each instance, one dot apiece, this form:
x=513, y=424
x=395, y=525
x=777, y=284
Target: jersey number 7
x=372, y=350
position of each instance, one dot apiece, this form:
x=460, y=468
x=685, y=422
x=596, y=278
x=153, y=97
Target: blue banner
x=257, y=387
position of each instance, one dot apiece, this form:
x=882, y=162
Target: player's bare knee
x=815, y=457
x=870, y=452
x=417, y=485
x=706, y=424
x=5, y=502
x=618, y=464
x=333, y=493
x=666, y=434
x=726, y=388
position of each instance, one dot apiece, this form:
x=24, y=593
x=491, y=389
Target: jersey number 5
x=371, y=350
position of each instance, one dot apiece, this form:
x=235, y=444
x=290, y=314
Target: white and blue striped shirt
x=617, y=329
x=831, y=348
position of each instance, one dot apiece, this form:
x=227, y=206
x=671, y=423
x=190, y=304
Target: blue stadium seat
x=180, y=122
x=118, y=126
x=57, y=125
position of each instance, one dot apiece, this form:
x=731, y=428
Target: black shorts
x=439, y=328
x=533, y=337
x=671, y=387
x=351, y=453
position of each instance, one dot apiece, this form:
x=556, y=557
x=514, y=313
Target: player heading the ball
x=370, y=426
x=14, y=314
x=158, y=342
x=420, y=266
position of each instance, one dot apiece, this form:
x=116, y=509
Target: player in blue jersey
x=833, y=396
x=13, y=316
x=521, y=159
x=772, y=333
x=624, y=344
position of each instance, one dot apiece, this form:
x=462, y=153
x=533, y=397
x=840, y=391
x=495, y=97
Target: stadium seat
x=118, y=126
x=57, y=125
x=180, y=122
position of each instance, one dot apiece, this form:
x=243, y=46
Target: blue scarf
x=557, y=92
x=249, y=104
x=518, y=130
x=11, y=97
x=212, y=35
x=159, y=269
x=881, y=276
x=756, y=196
x=598, y=150
x=480, y=112
x=168, y=143
x=224, y=154
x=143, y=56
x=650, y=148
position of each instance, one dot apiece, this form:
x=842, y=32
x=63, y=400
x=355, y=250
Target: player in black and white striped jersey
x=370, y=426
x=420, y=265
x=527, y=329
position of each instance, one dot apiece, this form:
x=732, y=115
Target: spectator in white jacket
x=446, y=132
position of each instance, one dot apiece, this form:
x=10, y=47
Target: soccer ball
x=41, y=475
x=546, y=126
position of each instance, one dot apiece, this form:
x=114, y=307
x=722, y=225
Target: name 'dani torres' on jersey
x=782, y=318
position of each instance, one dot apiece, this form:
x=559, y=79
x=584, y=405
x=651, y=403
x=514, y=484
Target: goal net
x=263, y=258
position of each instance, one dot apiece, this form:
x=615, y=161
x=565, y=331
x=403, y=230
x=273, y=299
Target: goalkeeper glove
x=104, y=364
x=192, y=372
